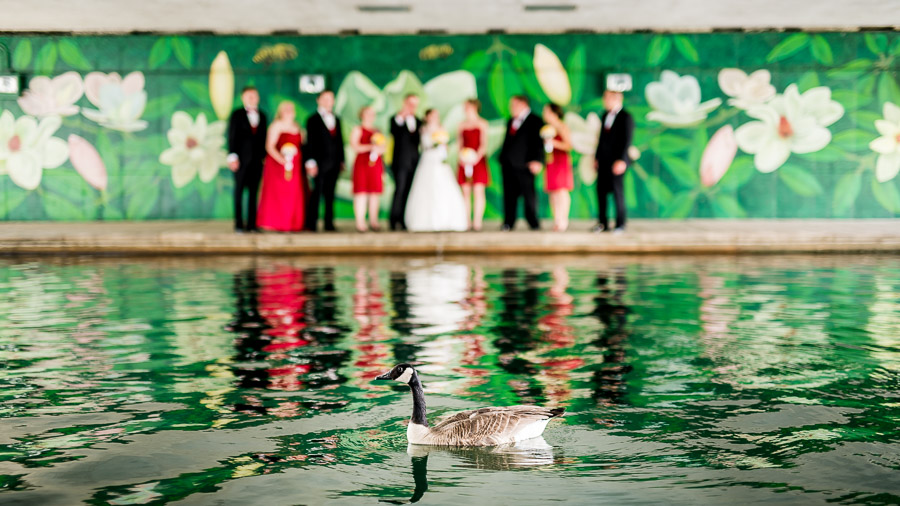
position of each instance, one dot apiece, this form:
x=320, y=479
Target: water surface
x=248, y=380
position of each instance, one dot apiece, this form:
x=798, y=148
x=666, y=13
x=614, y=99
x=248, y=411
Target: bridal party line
x=285, y=175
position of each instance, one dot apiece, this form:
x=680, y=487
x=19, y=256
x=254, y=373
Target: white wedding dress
x=435, y=201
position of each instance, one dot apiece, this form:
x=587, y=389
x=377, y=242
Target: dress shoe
x=619, y=231
x=505, y=228
x=599, y=228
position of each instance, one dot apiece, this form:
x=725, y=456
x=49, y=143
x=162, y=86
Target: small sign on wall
x=312, y=83
x=9, y=84
x=618, y=82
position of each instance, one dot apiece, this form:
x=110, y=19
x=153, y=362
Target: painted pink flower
x=717, y=156
x=87, y=162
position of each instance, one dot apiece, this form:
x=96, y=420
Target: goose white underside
x=420, y=435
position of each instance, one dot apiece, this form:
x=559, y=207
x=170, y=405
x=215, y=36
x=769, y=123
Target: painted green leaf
x=799, y=180
x=660, y=46
x=788, y=47
x=727, y=206
x=161, y=106
x=11, y=200
x=686, y=48
x=682, y=170
x=631, y=201
x=70, y=54
x=45, y=61
x=741, y=171
x=524, y=71
x=698, y=145
x=477, y=62
x=205, y=190
x=850, y=98
x=575, y=66
x=108, y=154
x=503, y=84
x=184, y=51
x=846, y=191
x=888, y=91
x=142, y=201
x=895, y=49
x=852, y=69
x=829, y=153
x=821, y=50
x=111, y=213
x=876, y=42
x=681, y=205
x=886, y=194
x=223, y=206
x=160, y=52
x=808, y=81
x=197, y=91
x=658, y=190
x=866, y=119
x=866, y=84
x=22, y=55
x=669, y=143
x=852, y=138
x=58, y=206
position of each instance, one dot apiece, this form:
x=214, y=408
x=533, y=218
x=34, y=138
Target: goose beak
x=385, y=376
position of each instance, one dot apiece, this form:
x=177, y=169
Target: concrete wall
x=765, y=125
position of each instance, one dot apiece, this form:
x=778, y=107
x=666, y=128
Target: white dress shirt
x=253, y=118
x=410, y=122
x=611, y=118
x=327, y=117
x=517, y=122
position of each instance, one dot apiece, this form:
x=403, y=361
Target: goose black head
x=400, y=372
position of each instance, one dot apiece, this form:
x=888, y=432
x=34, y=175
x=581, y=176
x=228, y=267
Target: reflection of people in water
x=322, y=306
x=558, y=334
x=609, y=380
x=517, y=330
x=372, y=355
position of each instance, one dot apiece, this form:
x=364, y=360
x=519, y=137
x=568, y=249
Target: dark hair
x=429, y=111
x=247, y=88
x=521, y=98
x=410, y=94
x=326, y=90
x=557, y=110
x=474, y=102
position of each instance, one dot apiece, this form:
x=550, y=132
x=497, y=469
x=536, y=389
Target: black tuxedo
x=403, y=167
x=613, y=145
x=250, y=147
x=327, y=149
x=519, y=149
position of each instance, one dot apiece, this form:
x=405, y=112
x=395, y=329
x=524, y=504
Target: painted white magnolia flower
x=676, y=100
x=746, y=91
x=552, y=76
x=888, y=145
x=27, y=147
x=585, y=133
x=197, y=148
x=120, y=102
x=52, y=97
x=789, y=123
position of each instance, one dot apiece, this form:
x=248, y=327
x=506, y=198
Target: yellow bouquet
x=468, y=157
x=289, y=151
x=440, y=137
x=378, y=140
x=548, y=133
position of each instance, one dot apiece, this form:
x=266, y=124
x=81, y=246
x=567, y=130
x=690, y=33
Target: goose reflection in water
x=531, y=453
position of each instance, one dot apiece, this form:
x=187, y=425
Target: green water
x=235, y=381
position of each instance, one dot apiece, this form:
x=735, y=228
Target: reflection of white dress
x=435, y=201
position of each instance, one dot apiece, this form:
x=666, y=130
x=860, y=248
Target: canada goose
x=479, y=427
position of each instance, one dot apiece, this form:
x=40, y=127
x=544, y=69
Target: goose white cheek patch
x=407, y=374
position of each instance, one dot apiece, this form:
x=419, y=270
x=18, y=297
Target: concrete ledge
x=643, y=236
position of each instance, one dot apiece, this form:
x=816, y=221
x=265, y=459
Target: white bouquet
x=289, y=151
x=468, y=157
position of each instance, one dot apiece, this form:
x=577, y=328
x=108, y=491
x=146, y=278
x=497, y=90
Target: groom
x=405, y=127
x=521, y=160
x=247, y=128
x=324, y=153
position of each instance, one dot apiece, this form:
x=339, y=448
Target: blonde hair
x=282, y=106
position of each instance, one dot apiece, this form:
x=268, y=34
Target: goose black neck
x=418, y=394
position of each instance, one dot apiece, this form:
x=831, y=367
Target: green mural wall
x=761, y=125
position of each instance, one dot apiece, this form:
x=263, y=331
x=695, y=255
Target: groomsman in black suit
x=521, y=159
x=612, y=159
x=247, y=150
x=405, y=128
x=324, y=153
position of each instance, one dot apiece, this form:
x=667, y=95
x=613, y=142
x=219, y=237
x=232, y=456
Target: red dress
x=283, y=196
x=559, y=171
x=471, y=138
x=366, y=173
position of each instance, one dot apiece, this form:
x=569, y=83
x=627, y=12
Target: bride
x=435, y=200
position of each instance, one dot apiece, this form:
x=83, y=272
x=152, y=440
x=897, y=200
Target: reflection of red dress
x=366, y=173
x=282, y=200
x=559, y=171
x=471, y=138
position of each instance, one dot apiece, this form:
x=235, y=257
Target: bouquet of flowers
x=548, y=133
x=379, y=140
x=468, y=157
x=440, y=137
x=289, y=151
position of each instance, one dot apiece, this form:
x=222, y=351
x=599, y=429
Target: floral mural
x=132, y=127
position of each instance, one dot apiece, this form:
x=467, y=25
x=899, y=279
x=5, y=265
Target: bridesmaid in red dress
x=284, y=186
x=473, y=177
x=368, y=168
x=559, y=176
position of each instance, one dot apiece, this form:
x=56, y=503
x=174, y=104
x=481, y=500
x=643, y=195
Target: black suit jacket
x=406, y=145
x=524, y=146
x=326, y=149
x=250, y=147
x=614, y=143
